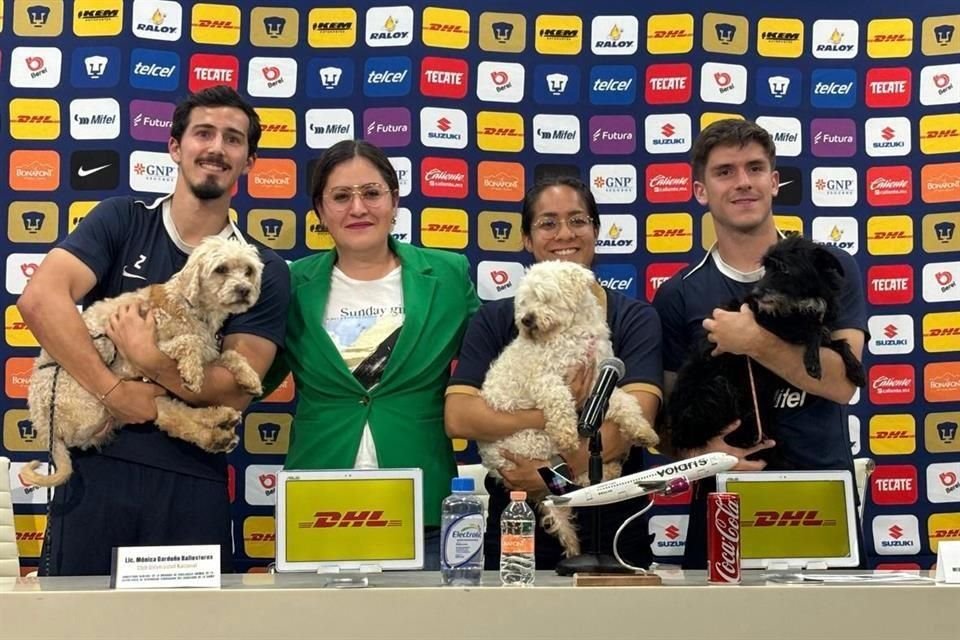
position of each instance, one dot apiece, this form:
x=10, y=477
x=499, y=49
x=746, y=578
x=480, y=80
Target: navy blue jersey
x=811, y=431
x=129, y=244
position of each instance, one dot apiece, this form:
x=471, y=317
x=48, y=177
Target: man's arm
x=468, y=416
x=738, y=332
x=48, y=306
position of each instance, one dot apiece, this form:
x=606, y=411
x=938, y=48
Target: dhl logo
x=444, y=28
x=215, y=24
x=25, y=119
x=942, y=133
x=330, y=519
x=946, y=534
x=444, y=228
x=261, y=537
x=669, y=33
x=669, y=233
x=892, y=435
x=948, y=331
x=277, y=128
x=501, y=131
x=889, y=37
x=890, y=235
x=29, y=536
x=800, y=518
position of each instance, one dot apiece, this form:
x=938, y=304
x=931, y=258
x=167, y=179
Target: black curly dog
x=796, y=299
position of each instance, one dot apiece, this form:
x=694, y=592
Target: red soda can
x=723, y=538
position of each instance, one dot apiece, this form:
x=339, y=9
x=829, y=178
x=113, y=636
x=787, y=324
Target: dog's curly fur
x=796, y=300
x=221, y=277
x=561, y=325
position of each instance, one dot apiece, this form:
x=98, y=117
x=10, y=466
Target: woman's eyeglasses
x=372, y=195
x=550, y=225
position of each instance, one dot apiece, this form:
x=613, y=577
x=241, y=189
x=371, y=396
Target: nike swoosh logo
x=783, y=184
x=127, y=274
x=83, y=173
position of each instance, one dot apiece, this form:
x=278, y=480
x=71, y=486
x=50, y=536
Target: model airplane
x=670, y=479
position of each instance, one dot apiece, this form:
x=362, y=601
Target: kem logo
x=329, y=519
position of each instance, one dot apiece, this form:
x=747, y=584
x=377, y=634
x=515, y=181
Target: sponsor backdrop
x=473, y=106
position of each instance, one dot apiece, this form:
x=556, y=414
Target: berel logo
x=443, y=177
x=669, y=182
x=500, y=81
x=658, y=273
x=20, y=268
x=890, y=335
x=940, y=282
x=890, y=284
x=260, y=484
x=892, y=384
x=940, y=84
x=668, y=83
x=888, y=87
x=723, y=83
x=498, y=280
x=943, y=482
x=207, y=70
x=35, y=67
x=272, y=77
x=894, y=484
x=444, y=77
x=889, y=186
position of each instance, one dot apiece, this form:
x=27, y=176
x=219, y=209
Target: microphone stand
x=592, y=561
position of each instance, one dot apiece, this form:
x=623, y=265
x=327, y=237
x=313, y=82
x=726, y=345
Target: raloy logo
x=723, y=83
x=889, y=186
x=150, y=121
x=887, y=137
x=387, y=77
x=890, y=335
x=95, y=67
x=778, y=87
x=940, y=84
x=389, y=26
x=618, y=234
x=94, y=119
x=940, y=282
x=272, y=77
x=500, y=81
x=618, y=277
x=840, y=232
x=555, y=84
x=157, y=20
x=387, y=126
x=330, y=77
x=613, y=84
x=835, y=39
x=833, y=137
x=667, y=133
x=613, y=135
x=613, y=183
x=834, y=186
x=35, y=67
x=558, y=134
x=614, y=35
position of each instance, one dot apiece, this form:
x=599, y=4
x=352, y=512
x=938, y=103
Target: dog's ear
x=191, y=279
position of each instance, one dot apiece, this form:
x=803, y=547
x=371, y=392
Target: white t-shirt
x=360, y=315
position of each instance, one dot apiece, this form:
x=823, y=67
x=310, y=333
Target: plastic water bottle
x=461, y=537
x=517, y=525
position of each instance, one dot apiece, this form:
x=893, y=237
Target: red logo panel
x=443, y=177
x=890, y=284
x=668, y=83
x=658, y=273
x=889, y=186
x=892, y=384
x=889, y=87
x=207, y=70
x=443, y=77
x=894, y=484
x=672, y=182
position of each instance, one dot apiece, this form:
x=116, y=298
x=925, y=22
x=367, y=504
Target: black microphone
x=611, y=370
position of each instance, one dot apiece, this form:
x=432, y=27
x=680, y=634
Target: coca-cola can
x=723, y=538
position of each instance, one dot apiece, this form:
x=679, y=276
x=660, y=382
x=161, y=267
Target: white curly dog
x=561, y=326
x=221, y=278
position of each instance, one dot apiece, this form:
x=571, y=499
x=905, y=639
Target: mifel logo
x=500, y=181
x=725, y=33
x=215, y=24
x=893, y=434
x=780, y=37
x=34, y=119
x=446, y=28
x=940, y=182
x=332, y=28
x=267, y=432
x=940, y=133
x=444, y=228
x=941, y=332
x=30, y=530
x=279, y=128
x=941, y=382
x=34, y=170
x=669, y=232
x=498, y=131
x=33, y=222
x=97, y=17
x=17, y=372
x=16, y=332
x=273, y=178
x=890, y=38
x=940, y=35
x=889, y=235
x=558, y=35
x=670, y=33
x=942, y=527
x=259, y=537
x=18, y=432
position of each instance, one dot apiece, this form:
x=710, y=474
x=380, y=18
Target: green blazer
x=405, y=410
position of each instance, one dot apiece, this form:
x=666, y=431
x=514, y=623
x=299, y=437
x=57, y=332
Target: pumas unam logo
x=940, y=232
x=38, y=19
x=267, y=432
x=940, y=35
x=725, y=33
x=499, y=231
x=502, y=32
x=274, y=27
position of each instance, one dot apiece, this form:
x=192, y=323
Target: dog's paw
x=249, y=382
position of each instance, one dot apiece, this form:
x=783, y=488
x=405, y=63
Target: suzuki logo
x=888, y=133
x=890, y=331
x=895, y=532
x=668, y=130
x=444, y=124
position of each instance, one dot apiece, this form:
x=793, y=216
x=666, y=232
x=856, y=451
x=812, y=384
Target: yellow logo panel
x=890, y=38
x=30, y=529
x=707, y=118
x=669, y=232
x=444, y=228
x=279, y=128
x=259, y=537
x=559, y=35
x=498, y=131
x=889, y=235
x=503, y=32
x=276, y=228
x=780, y=37
x=446, y=28
x=941, y=35
x=670, y=33
x=215, y=24
x=498, y=231
x=15, y=329
x=18, y=432
x=1, y=16
x=893, y=434
x=274, y=27
x=725, y=33
x=316, y=236
x=77, y=212
x=332, y=28
x=942, y=527
x=789, y=225
x=940, y=133
x=941, y=332
x=941, y=232
x=33, y=222
x=940, y=432
x=708, y=232
x=34, y=119
x=267, y=432
x=34, y=19
x=93, y=18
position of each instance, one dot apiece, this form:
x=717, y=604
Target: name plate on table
x=948, y=562
x=166, y=567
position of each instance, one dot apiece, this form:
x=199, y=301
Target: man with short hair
x=735, y=176
x=146, y=488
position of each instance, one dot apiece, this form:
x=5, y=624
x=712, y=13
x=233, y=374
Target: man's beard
x=207, y=190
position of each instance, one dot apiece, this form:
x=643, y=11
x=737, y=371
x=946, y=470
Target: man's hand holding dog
x=134, y=335
x=718, y=444
x=734, y=331
x=132, y=402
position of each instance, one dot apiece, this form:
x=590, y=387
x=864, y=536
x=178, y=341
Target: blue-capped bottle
x=461, y=536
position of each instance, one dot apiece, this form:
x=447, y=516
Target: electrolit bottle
x=461, y=535
x=517, y=525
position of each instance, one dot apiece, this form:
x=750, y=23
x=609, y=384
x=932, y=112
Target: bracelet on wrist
x=103, y=396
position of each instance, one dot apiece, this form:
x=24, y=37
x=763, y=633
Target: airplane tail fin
x=556, y=482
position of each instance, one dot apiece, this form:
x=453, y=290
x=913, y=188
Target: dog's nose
x=529, y=321
x=242, y=292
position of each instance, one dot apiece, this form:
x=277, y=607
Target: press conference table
x=411, y=605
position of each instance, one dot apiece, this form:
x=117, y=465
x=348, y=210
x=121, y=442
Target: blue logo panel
x=779, y=87
x=621, y=278
x=95, y=67
x=833, y=88
x=154, y=70
x=387, y=77
x=613, y=84
x=330, y=77
x=556, y=84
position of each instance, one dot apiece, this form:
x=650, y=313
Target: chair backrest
x=479, y=473
x=9, y=557
x=862, y=468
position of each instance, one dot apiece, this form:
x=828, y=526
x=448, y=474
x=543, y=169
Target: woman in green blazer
x=372, y=329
